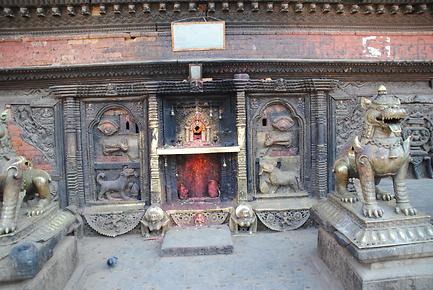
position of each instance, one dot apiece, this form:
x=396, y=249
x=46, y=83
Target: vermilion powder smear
x=195, y=171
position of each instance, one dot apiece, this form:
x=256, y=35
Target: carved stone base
x=25, y=252
x=283, y=214
x=56, y=272
x=281, y=195
x=366, y=233
x=114, y=220
x=206, y=217
x=398, y=274
x=392, y=252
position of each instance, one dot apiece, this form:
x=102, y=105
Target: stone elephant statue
x=19, y=180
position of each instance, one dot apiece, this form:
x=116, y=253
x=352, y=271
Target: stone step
x=195, y=241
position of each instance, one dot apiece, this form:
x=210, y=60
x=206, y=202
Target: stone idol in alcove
x=277, y=152
x=199, y=138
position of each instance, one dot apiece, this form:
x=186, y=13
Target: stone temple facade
x=98, y=96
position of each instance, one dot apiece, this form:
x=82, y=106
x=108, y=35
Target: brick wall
x=121, y=47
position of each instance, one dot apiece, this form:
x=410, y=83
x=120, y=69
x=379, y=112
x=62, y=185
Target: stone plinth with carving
x=374, y=253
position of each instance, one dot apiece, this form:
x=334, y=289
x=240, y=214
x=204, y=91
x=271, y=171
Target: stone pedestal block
x=40, y=254
x=56, y=272
x=397, y=274
x=392, y=252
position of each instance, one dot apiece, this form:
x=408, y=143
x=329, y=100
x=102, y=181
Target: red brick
x=87, y=49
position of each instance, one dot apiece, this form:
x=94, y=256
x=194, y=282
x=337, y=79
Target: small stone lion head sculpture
x=243, y=218
x=244, y=212
x=154, y=214
x=155, y=222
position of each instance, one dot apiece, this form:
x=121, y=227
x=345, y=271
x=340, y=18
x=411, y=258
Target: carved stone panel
x=277, y=143
x=109, y=220
x=37, y=125
x=115, y=136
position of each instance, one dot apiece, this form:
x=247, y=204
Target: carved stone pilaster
x=241, y=117
x=319, y=147
x=74, y=162
x=155, y=182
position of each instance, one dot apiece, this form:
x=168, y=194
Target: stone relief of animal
x=155, y=222
x=19, y=180
x=119, y=185
x=243, y=217
x=379, y=152
x=272, y=178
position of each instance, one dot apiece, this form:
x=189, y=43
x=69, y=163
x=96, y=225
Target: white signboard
x=187, y=36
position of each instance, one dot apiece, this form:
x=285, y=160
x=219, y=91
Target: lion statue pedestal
x=36, y=250
x=373, y=239
x=393, y=252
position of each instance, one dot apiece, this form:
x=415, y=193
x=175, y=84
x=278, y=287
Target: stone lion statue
x=19, y=180
x=243, y=218
x=155, y=222
x=379, y=152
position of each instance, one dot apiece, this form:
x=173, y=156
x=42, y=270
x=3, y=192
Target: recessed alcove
x=199, y=149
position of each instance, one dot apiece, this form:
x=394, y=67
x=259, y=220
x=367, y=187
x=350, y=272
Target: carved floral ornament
x=116, y=220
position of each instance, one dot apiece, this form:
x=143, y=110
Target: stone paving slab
x=195, y=241
x=264, y=261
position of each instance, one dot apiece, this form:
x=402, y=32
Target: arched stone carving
x=115, y=141
x=278, y=148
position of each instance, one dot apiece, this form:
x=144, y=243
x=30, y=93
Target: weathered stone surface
x=363, y=232
x=56, y=272
x=194, y=241
x=396, y=274
x=24, y=253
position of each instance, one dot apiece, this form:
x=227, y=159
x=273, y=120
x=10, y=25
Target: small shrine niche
x=116, y=154
x=204, y=123
x=277, y=151
x=198, y=130
x=199, y=139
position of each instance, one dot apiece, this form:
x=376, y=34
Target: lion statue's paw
x=7, y=227
x=348, y=197
x=39, y=208
x=405, y=208
x=372, y=211
x=383, y=195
